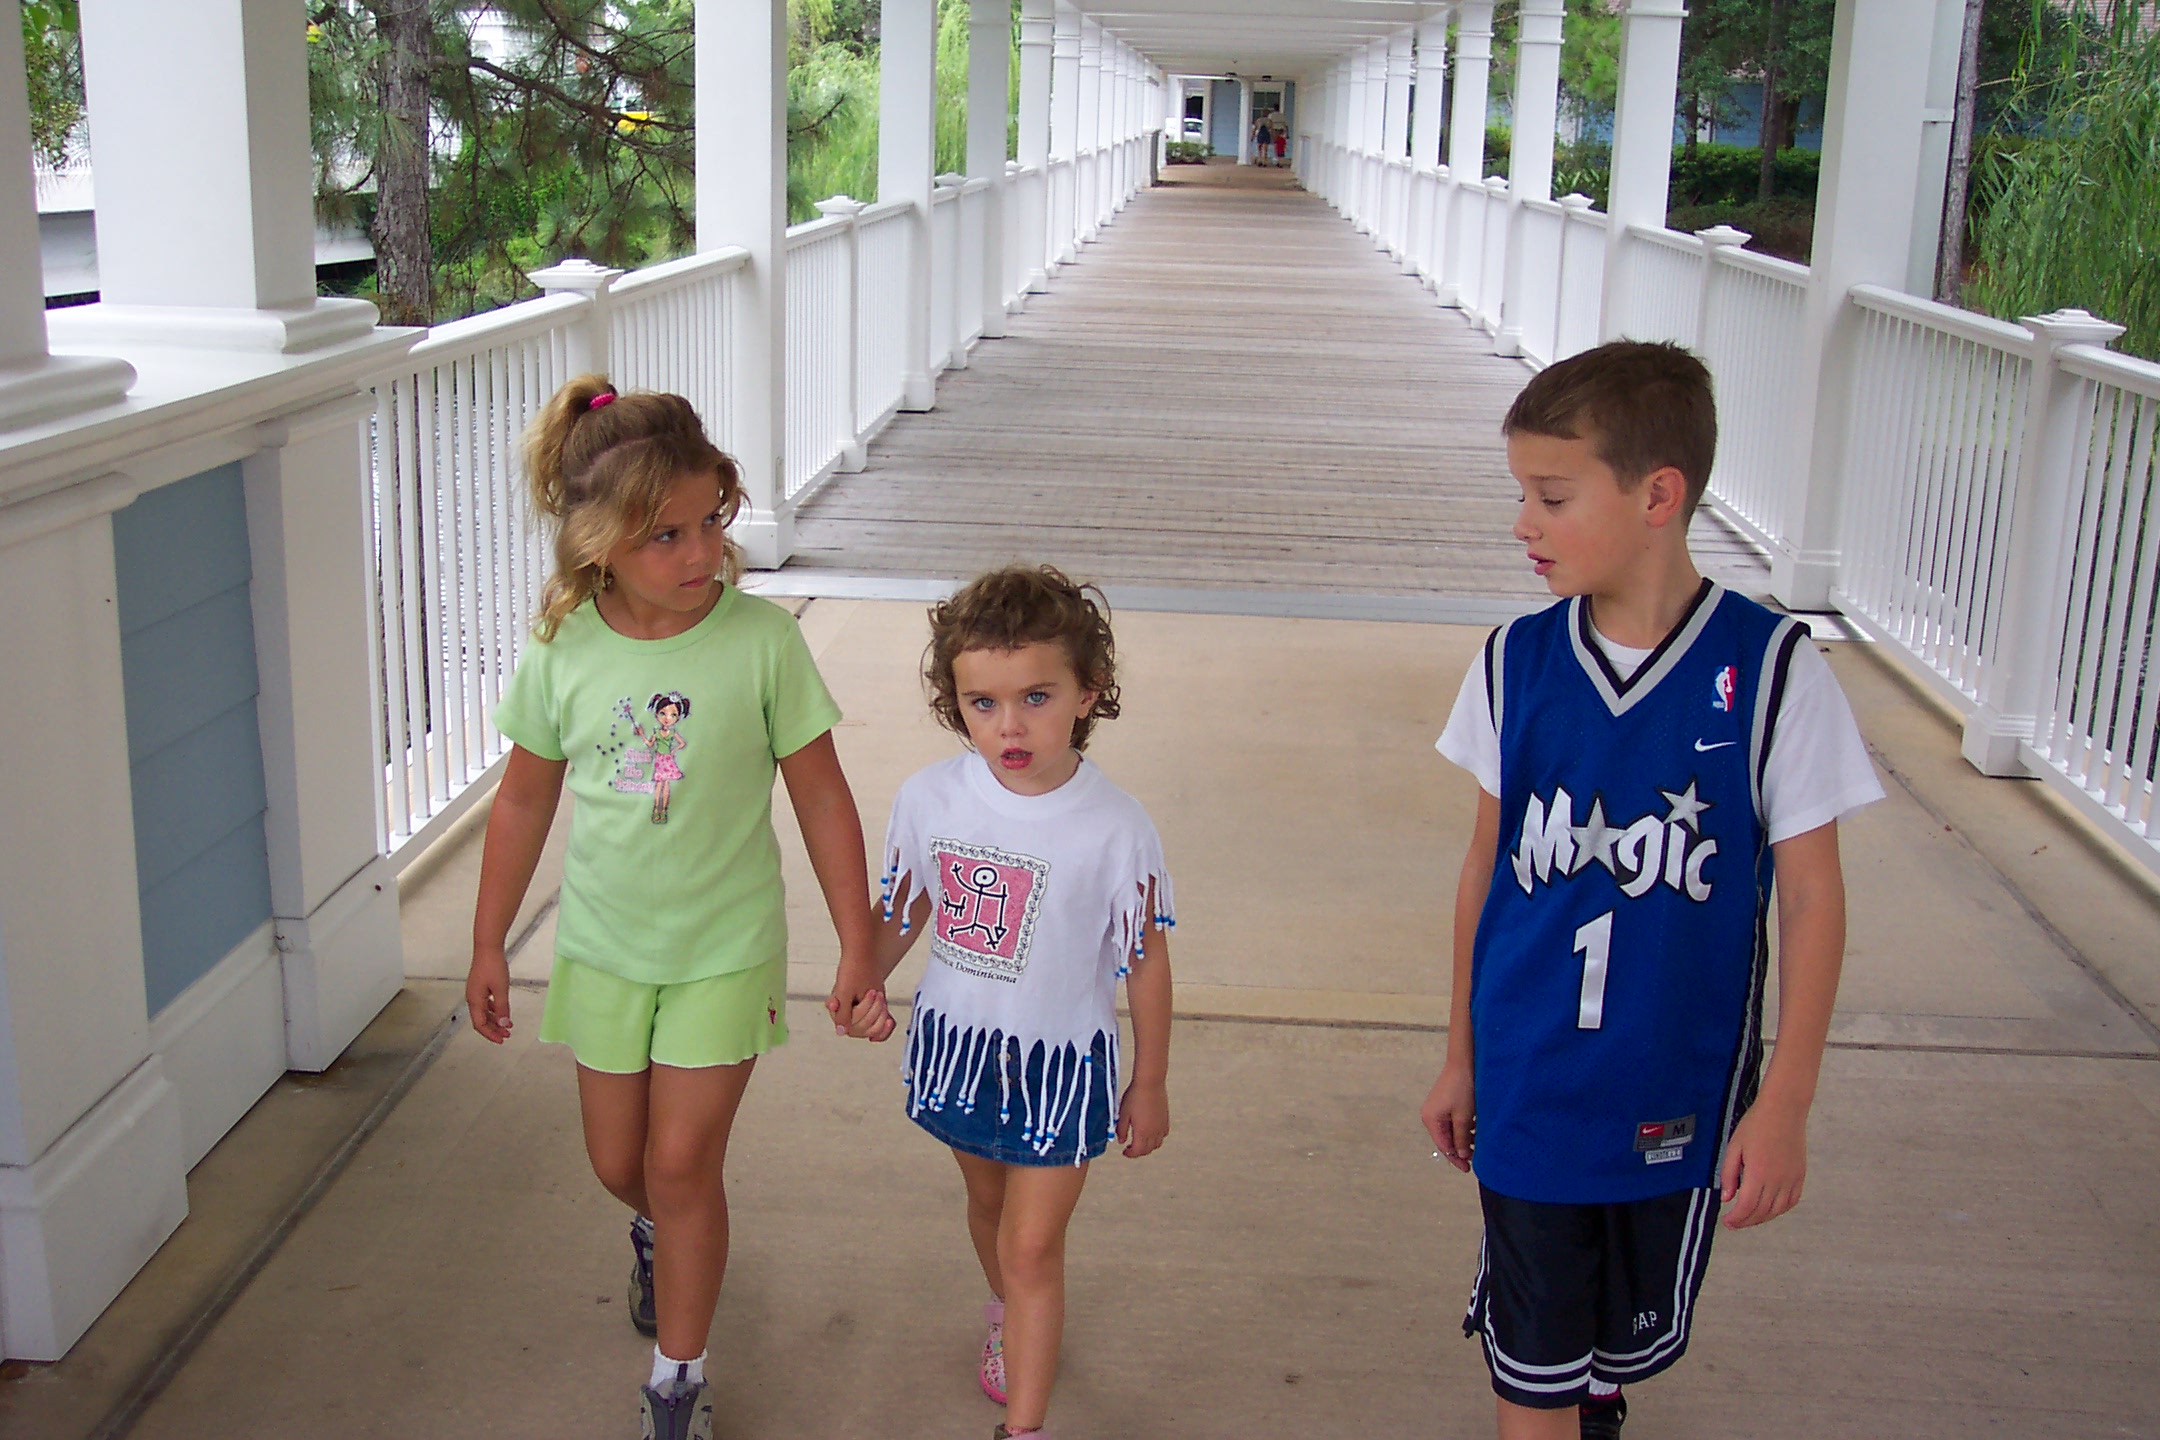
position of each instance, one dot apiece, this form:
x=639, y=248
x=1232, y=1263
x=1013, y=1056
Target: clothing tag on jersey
x=1660, y=1142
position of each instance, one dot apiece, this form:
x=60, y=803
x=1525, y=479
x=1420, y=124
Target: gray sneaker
x=678, y=1410
x=642, y=1313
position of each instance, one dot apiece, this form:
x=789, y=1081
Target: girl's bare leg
x=686, y=1137
x=986, y=1203
x=1039, y=1203
x=613, y=1107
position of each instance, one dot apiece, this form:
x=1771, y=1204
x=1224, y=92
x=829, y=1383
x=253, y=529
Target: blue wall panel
x=1225, y=111
x=187, y=656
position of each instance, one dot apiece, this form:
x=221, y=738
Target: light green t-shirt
x=673, y=871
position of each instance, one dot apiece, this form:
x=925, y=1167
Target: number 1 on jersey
x=1594, y=943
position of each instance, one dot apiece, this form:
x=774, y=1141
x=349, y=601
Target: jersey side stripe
x=1769, y=697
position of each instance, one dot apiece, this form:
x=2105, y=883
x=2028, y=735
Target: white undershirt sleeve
x=1469, y=739
x=1819, y=770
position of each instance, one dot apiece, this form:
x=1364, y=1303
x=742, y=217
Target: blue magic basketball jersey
x=1616, y=988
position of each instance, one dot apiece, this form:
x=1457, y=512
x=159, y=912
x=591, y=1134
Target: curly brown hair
x=1017, y=606
x=602, y=474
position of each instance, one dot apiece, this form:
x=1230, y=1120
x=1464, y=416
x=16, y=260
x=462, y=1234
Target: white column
x=907, y=163
x=1466, y=135
x=34, y=384
x=1530, y=155
x=1065, y=132
x=989, y=102
x=742, y=200
x=1035, y=58
x=206, y=201
x=1395, y=120
x=1642, y=136
x=92, y=1172
x=1087, y=212
x=1245, y=120
x=1929, y=195
x=1431, y=90
x=1863, y=235
x=1426, y=206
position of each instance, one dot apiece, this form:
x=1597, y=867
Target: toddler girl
x=1042, y=883
x=670, y=973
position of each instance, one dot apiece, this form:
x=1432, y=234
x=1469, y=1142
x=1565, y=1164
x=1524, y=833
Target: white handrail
x=506, y=326
x=688, y=270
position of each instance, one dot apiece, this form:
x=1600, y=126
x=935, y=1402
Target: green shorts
x=620, y=1027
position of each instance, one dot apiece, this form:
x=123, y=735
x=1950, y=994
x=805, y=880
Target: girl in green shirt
x=670, y=967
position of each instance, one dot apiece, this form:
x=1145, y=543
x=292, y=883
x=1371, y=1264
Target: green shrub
x=1732, y=174
x=1784, y=226
x=1188, y=152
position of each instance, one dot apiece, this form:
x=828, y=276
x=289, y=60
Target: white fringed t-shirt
x=1038, y=903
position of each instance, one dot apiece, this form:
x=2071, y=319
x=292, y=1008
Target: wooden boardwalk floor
x=1230, y=389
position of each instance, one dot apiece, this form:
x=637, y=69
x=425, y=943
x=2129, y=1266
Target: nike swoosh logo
x=1702, y=749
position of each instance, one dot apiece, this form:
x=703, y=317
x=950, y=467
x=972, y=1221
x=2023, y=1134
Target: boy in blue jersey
x=1652, y=753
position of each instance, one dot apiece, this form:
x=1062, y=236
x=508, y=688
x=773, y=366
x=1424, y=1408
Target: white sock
x=664, y=1369
x=1602, y=1390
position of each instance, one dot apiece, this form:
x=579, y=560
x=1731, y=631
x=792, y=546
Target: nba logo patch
x=1724, y=687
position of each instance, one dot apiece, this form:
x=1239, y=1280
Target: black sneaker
x=642, y=1313
x=1601, y=1419
x=678, y=1410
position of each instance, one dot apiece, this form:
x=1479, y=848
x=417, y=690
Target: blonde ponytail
x=600, y=464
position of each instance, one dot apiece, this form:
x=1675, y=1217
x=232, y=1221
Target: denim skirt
x=985, y=1095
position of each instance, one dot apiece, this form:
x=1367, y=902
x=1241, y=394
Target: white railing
x=1537, y=262
x=1750, y=320
x=1661, y=280
x=1582, y=277
x=2097, y=728
x=668, y=329
x=886, y=234
x=1938, y=402
x=821, y=363
x=459, y=561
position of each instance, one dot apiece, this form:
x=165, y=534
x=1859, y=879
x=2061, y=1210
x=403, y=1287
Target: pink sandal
x=992, y=1374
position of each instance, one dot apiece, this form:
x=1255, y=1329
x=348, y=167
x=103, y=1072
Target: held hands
x=1143, y=1118
x=1765, y=1164
x=487, y=994
x=857, y=1006
x=1450, y=1115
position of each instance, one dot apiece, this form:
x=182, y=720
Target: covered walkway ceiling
x=1252, y=37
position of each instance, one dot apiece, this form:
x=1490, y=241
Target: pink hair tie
x=605, y=397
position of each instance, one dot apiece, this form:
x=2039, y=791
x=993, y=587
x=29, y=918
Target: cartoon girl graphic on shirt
x=663, y=743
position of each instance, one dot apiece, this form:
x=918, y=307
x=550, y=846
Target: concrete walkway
x=1978, y=1252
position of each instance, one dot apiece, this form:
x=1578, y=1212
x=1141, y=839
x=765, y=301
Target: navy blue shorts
x=1566, y=1293
x=980, y=1097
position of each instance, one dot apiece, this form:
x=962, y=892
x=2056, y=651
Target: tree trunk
x=1773, y=104
x=1692, y=111
x=404, y=249
x=1950, y=249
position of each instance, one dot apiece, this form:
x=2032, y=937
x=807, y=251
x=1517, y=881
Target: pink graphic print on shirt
x=987, y=901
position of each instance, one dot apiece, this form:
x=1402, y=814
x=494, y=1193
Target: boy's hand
x=1764, y=1164
x=487, y=994
x=1450, y=1114
x=1143, y=1119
